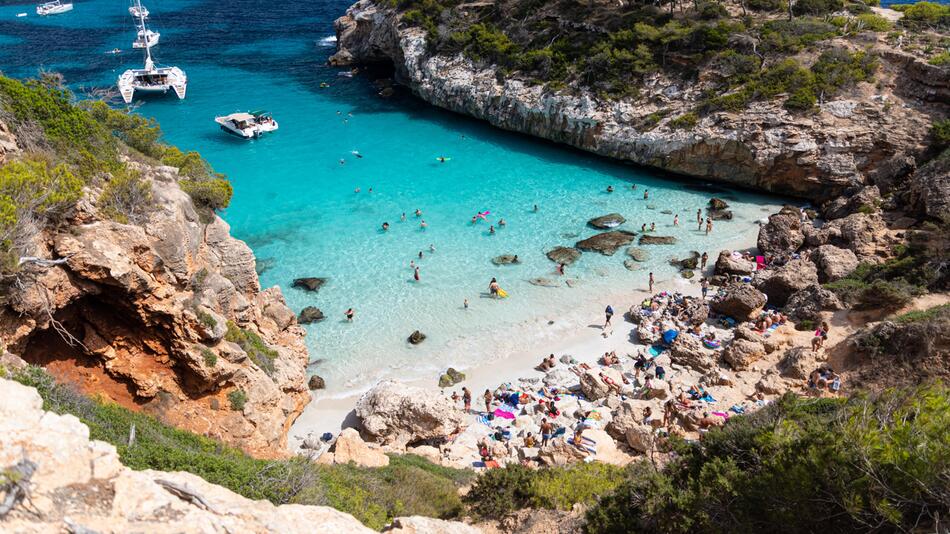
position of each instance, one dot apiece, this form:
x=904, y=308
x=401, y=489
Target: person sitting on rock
x=529, y=440
x=709, y=421
x=547, y=364
x=609, y=382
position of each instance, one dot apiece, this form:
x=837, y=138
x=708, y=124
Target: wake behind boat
x=53, y=8
x=247, y=125
x=151, y=78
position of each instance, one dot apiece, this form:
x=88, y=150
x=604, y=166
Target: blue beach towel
x=656, y=350
x=707, y=398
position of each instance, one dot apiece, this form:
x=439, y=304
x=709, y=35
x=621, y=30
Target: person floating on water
x=441, y=159
x=357, y=154
x=385, y=226
x=502, y=222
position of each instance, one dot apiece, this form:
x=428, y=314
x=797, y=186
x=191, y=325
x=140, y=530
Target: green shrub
x=204, y=317
x=210, y=358
x=816, y=7
x=838, y=68
x=924, y=14
x=686, y=121
x=940, y=133
x=857, y=8
x=238, y=399
x=410, y=485
x=941, y=59
x=880, y=461
x=923, y=315
x=255, y=347
x=767, y=5
x=126, y=198
x=874, y=22
x=794, y=35
x=214, y=194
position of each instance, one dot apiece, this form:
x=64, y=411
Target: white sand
x=580, y=336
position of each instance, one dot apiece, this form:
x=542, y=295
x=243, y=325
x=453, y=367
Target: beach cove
x=295, y=202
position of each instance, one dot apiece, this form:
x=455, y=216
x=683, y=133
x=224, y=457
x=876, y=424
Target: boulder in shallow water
x=565, y=255
x=310, y=283
x=416, y=337
x=310, y=314
x=606, y=222
x=544, y=282
x=717, y=204
x=506, y=259
x=395, y=414
x=646, y=239
x=316, y=382
x=450, y=378
x=606, y=243
x=687, y=274
x=691, y=262
x=720, y=215
x=631, y=265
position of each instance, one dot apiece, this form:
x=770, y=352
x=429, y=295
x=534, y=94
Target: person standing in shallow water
x=493, y=288
x=415, y=274
x=704, y=284
x=708, y=225
x=676, y=220
x=349, y=313
x=651, y=283
x=646, y=194
x=699, y=217
x=704, y=259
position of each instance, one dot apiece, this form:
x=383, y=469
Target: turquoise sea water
x=295, y=204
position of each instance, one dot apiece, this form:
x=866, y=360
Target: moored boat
x=54, y=8
x=247, y=125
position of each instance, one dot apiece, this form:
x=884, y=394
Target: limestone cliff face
x=873, y=134
x=139, y=314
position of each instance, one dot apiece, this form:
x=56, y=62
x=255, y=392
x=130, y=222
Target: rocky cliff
x=873, y=133
x=53, y=478
x=166, y=316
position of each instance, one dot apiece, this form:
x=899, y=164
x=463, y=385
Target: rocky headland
x=869, y=133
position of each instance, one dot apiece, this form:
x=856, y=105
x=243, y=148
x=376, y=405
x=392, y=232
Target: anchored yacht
x=247, y=125
x=146, y=38
x=53, y=8
x=151, y=78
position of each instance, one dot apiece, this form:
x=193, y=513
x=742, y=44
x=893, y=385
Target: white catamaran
x=54, y=8
x=152, y=78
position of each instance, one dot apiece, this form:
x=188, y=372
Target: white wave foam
x=328, y=41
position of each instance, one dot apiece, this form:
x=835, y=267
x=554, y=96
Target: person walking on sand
x=609, y=312
x=703, y=260
x=467, y=399
x=349, y=314
x=547, y=429
x=704, y=284
x=708, y=225
x=488, y=398
x=676, y=220
x=651, y=283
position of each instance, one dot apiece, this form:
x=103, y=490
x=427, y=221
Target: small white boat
x=20, y=15
x=247, y=125
x=53, y=8
x=138, y=11
x=146, y=38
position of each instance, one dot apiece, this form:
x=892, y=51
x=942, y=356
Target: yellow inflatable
x=502, y=293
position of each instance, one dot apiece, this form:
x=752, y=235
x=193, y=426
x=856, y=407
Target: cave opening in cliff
x=97, y=347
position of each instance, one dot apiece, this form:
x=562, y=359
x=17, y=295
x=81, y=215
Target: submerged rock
x=565, y=255
x=310, y=314
x=606, y=222
x=416, y=337
x=544, y=282
x=657, y=240
x=310, y=283
x=638, y=254
x=606, y=243
x=631, y=265
x=506, y=259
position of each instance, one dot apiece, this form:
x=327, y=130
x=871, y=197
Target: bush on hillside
x=799, y=465
x=940, y=133
x=767, y=5
x=816, y=7
x=924, y=14
x=257, y=350
x=126, y=198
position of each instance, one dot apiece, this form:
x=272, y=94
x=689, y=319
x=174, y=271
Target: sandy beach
x=579, y=334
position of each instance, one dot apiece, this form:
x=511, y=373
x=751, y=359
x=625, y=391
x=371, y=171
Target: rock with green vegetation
x=450, y=378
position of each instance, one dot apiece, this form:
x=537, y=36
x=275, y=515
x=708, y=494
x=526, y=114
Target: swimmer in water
x=474, y=219
x=342, y=161
x=385, y=226
x=423, y=225
x=418, y=212
x=643, y=228
x=633, y=187
x=502, y=223
x=441, y=159
x=646, y=194
x=370, y=190
x=535, y=208
x=403, y=217
x=357, y=190
x=431, y=247
x=610, y=189
x=653, y=227
x=491, y=229
x=412, y=264
x=420, y=254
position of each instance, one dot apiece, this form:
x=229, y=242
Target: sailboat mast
x=143, y=30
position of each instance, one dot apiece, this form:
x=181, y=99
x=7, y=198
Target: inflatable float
x=502, y=293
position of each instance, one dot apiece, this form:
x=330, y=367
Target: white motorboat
x=53, y=8
x=146, y=38
x=138, y=11
x=151, y=78
x=247, y=125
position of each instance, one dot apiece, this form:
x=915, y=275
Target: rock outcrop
x=565, y=255
x=165, y=317
x=606, y=222
x=606, y=243
x=80, y=485
x=396, y=415
x=764, y=146
x=740, y=301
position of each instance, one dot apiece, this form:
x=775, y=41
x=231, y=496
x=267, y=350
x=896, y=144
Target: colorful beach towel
x=656, y=350
x=503, y=414
x=707, y=398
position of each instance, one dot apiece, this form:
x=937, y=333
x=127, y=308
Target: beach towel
x=724, y=415
x=656, y=350
x=483, y=420
x=669, y=336
x=560, y=432
x=513, y=399
x=759, y=263
x=711, y=343
x=503, y=414
x=707, y=398
x=737, y=409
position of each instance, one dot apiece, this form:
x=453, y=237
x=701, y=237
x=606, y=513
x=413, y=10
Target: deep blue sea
x=295, y=204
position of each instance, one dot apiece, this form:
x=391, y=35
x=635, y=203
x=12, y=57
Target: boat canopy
x=260, y=113
x=241, y=116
